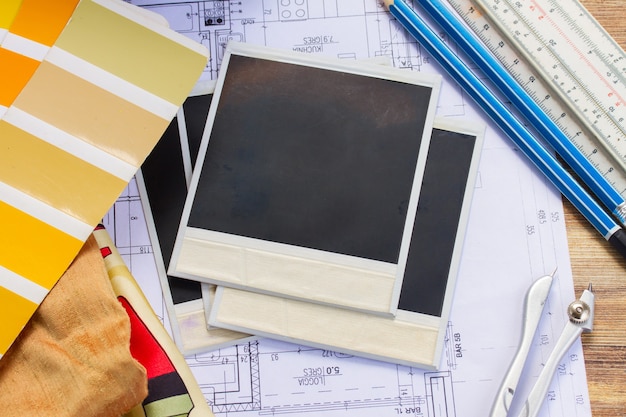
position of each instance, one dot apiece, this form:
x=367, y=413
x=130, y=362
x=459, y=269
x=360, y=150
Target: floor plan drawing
x=344, y=29
x=126, y=224
x=267, y=377
x=298, y=379
x=238, y=383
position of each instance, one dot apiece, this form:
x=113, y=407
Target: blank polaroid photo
x=415, y=337
x=308, y=179
x=163, y=181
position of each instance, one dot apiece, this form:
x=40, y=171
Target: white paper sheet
x=516, y=234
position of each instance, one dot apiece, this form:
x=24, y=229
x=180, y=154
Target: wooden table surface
x=593, y=260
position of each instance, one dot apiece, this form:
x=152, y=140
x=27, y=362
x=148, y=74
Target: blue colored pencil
x=509, y=124
x=525, y=104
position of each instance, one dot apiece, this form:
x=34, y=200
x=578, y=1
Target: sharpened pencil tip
x=387, y=3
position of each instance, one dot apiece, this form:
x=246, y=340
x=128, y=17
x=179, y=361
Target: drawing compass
x=580, y=313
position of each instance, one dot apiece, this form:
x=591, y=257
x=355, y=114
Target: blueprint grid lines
x=267, y=377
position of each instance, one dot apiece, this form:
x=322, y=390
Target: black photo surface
x=437, y=222
x=311, y=157
x=307, y=179
x=166, y=183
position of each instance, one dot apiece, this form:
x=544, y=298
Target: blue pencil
x=509, y=124
x=525, y=104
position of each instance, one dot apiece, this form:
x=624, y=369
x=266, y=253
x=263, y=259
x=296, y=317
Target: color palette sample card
x=309, y=179
x=416, y=335
x=8, y=11
x=30, y=28
x=162, y=182
x=106, y=80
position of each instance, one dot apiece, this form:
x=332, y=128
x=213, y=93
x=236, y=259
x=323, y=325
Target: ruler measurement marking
x=546, y=95
x=584, y=56
x=525, y=81
x=599, y=117
x=596, y=36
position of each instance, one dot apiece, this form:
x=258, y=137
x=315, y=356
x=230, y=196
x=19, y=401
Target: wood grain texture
x=593, y=260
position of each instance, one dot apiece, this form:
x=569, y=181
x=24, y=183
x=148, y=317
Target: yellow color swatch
x=91, y=113
x=42, y=20
x=15, y=71
x=132, y=51
x=34, y=249
x=15, y=312
x=56, y=177
x=8, y=11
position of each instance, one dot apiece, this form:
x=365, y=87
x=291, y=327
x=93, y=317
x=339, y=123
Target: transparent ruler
x=568, y=64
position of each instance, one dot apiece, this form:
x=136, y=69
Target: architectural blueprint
x=516, y=234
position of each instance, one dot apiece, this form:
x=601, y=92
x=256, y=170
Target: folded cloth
x=73, y=357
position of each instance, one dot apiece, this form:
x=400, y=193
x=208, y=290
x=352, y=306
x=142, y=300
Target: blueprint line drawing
x=231, y=378
x=238, y=387
x=267, y=377
x=355, y=29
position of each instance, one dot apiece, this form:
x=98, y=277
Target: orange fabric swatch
x=73, y=357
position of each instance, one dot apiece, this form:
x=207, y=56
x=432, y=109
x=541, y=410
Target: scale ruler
x=568, y=64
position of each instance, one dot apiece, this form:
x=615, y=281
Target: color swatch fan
x=90, y=100
x=27, y=31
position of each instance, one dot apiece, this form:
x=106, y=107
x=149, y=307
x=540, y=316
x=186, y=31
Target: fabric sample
x=73, y=357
